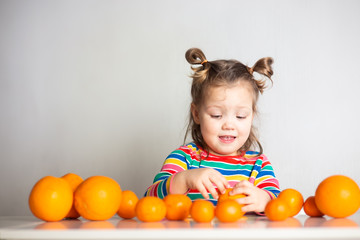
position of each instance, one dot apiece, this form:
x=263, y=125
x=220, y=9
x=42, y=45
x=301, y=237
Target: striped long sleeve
x=174, y=163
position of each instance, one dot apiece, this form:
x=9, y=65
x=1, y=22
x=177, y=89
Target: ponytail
x=195, y=56
x=263, y=67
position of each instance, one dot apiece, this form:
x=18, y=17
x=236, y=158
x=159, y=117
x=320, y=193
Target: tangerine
x=294, y=199
x=74, y=180
x=228, y=211
x=150, y=209
x=226, y=195
x=338, y=196
x=311, y=209
x=98, y=198
x=277, y=210
x=202, y=211
x=178, y=206
x=128, y=204
x=51, y=199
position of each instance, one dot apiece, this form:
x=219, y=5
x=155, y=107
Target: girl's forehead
x=239, y=91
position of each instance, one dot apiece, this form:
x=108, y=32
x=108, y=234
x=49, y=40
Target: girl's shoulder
x=254, y=155
x=190, y=148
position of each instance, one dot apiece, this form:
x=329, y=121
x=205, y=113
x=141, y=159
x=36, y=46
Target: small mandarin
x=228, y=211
x=277, y=210
x=150, y=209
x=311, y=209
x=294, y=199
x=202, y=211
x=226, y=195
x=128, y=204
x=178, y=206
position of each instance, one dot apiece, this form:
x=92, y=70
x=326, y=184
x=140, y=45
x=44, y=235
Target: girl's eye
x=240, y=117
x=215, y=116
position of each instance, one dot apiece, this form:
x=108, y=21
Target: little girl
x=224, y=96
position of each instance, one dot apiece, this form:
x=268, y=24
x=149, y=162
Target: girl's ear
x=195, y=113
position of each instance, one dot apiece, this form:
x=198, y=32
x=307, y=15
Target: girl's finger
x=239, y=184
x=239, y=190
x=244, y=200
x=242, y=188
x=201, y=188
x=210, y=187
x=222, y=185
x=243, y=183
x=248, y=208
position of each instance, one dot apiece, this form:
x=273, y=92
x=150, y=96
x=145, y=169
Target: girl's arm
x=176, y=162
x=202, y=179
x=175, y=177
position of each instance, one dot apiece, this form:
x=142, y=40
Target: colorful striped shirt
x=247, y=166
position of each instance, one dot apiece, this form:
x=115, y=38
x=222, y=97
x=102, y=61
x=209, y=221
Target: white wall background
x=102, y=87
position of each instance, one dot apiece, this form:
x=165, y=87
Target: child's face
x=225, y=117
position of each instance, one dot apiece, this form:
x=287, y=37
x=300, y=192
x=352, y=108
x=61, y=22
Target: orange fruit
x=228, y=211
x=338, y=196
x=177, y=206
x=294, y=199
x=277, y=210
x=202, y=211
x=74, y=181
x=150, y=209
x=98, y=198
x=128, y=204
x=311, y=209
x=51, y=199
x=226, y=195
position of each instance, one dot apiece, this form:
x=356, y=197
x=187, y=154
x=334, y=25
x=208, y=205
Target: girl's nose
x=228, y=125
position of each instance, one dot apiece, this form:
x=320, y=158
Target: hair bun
x=195, y=56
x=263, y=66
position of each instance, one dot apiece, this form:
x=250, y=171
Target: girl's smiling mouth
x=227, y=138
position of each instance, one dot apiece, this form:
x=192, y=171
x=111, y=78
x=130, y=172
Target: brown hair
x=224, y=73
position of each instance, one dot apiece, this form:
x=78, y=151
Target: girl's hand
x=256, y=199
x=203, y=179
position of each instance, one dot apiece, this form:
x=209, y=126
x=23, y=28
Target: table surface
x=249, y=227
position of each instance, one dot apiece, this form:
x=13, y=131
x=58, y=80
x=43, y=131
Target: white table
x=251, y=227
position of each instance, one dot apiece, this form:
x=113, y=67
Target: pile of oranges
x=337, y=196
x=100, y=198
x=96, y=198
